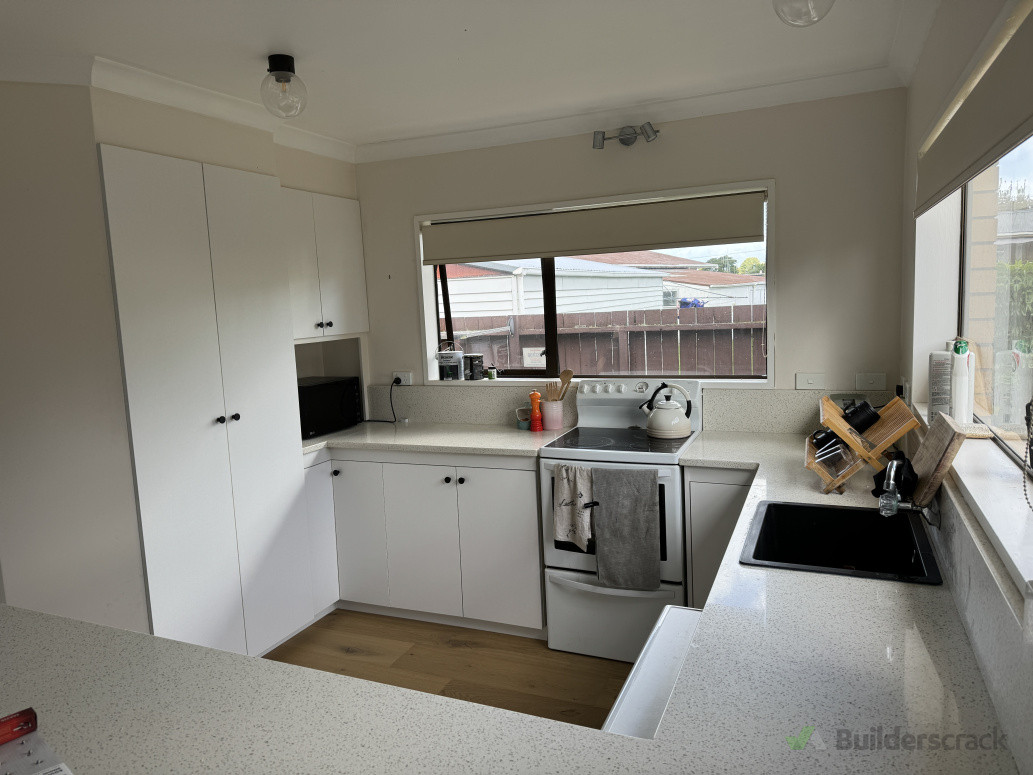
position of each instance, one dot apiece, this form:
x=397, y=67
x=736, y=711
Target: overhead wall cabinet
x=443, y=539
x=204, y=318
x=323, y=244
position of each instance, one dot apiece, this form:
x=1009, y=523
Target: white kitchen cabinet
x=204, y=317
x=342, y=269
x=327, y=270
x=361, y=531
x=322, y=535
x=424, y=572
x=712, y=510
x=158, y=230
x=498, y=539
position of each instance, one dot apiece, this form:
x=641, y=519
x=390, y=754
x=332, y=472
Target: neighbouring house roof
x=456, y=271
x=646, y=258
x=1014, y=224
x=714, y=278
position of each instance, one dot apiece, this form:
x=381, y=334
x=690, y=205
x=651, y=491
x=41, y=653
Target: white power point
x=870, y=381
x=812, y=381
x=404, y=376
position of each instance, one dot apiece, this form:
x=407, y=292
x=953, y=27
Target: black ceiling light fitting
x=283, y=93
x=626, y=135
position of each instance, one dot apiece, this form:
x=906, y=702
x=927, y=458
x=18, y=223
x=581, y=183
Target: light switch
x=870, y=381
x=815, y=381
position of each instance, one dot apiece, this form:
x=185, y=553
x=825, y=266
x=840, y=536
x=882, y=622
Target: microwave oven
x=328, y=404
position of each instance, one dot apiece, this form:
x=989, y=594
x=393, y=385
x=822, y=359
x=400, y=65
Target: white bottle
x=962, y=382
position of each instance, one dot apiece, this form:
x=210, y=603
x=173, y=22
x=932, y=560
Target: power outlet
x=812, y=381
x=870, y=381
x=405, y=376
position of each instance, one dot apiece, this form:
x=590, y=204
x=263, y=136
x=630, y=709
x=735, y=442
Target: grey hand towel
x=627, y=527
x=571, y=490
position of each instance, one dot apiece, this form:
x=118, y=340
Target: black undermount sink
x=842, y=540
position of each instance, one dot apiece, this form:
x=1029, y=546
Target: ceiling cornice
x=145, y=85
x=770, y=95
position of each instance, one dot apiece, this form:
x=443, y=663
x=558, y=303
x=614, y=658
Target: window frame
x=1023, y=466
x=427, y=284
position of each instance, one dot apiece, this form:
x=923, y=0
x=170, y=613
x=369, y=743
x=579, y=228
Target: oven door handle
x=660, y=474
x=659, y=594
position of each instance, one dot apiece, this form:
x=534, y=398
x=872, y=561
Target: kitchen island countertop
x=776, y=652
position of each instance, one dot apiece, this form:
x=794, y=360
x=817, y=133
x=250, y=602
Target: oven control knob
x=597, y=388
x=608, y=388
x=621, y=388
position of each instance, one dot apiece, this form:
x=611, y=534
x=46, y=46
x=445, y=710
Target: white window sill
x=707, y=384
x=992, y=485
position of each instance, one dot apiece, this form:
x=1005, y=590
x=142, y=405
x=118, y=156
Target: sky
x=738, y=252
x=1018, y=166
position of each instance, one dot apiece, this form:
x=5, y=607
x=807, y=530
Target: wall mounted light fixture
x=283, y=93
x=626, y=135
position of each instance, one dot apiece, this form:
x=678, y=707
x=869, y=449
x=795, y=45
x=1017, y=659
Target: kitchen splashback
x=482, y=403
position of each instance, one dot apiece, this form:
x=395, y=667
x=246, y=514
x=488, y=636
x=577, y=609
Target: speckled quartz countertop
x=775, y=651
x=435, y=437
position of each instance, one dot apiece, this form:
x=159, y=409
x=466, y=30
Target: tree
x=752, y=265
x=724, y=263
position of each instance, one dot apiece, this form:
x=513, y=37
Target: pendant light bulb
x=283, y=92
x=802, y=13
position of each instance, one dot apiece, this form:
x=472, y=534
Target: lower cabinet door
x=498, y=538
x=322, y=536
x=713, y=511
x=423, y=538
x=361, y=531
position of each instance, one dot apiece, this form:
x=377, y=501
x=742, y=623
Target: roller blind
x=675, y=223
x=996, y=116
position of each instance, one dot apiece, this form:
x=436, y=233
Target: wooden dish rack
x=861, y=449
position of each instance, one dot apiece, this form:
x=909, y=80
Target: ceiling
x=413, y=74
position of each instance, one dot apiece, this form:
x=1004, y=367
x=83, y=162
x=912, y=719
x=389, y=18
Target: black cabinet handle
x=319, y=324
x=337, y=472
x=220, y=419
x=235, y=416
x=448, y=479
x=461, y=480
x=329, y=324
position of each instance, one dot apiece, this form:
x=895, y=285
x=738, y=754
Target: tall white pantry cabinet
x=204, y=316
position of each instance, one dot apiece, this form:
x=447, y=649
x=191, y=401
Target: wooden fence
x=703, y=341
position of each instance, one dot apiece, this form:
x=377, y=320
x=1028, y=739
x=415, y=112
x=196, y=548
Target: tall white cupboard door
x=296, y=223
x=256, y=342
x=342, y=271
x=322, y=536
x=170, y=350
x=361, y=532
x=423, y=538
x=498, y=537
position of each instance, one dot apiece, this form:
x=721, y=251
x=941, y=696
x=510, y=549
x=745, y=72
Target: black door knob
x=235, y=416
x=461, y=480
x=319, y=324
x=448, y=479
x=221, y=419
x=337, y=472
x=329, y=324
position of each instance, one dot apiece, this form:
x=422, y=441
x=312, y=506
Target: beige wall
x=957, y=31
x=837, y=167
x=147, y=126
x=69, y=542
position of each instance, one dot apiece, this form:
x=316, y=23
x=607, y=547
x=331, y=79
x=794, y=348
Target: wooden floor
x=505, y=671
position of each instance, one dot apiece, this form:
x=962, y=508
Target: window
x=696, y=307
x=635, y=313
x=997, y=293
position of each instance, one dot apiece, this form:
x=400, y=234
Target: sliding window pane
x=998, y=303
x=498, y=311
x=699, y=311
